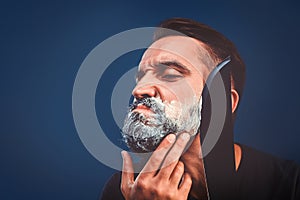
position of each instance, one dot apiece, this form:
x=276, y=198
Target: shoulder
x=254, y=160
x=112, y=189
x=268, y=176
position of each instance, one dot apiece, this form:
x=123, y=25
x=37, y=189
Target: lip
x=143, y=109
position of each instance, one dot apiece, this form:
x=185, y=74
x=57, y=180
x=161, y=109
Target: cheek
x=185, y=92
x=178, y=99
x=173, y=109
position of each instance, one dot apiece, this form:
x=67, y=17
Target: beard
x=143, y=133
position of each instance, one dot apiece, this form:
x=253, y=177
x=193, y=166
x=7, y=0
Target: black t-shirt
x=260, y=176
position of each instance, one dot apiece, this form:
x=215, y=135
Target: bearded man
x=165, y=117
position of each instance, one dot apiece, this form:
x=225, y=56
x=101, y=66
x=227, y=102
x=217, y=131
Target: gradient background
x=43, y=44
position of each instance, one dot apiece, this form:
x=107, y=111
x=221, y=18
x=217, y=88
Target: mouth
x=141, y=108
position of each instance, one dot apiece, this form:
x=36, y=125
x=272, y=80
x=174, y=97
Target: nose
x=147, y=86
x=145, y=91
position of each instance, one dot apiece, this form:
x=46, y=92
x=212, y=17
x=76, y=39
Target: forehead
x=185, y=50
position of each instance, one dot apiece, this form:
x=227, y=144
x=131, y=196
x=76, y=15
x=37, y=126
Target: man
x=166, y=115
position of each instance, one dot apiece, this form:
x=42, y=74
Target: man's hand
x=160, y=178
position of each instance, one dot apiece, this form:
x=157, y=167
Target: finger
x=157, y=156
x=174, y=154
x=177, y=174
x=127, y=178
x=186, y=184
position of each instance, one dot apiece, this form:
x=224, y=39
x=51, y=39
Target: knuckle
x=123, y=188
x=177, y=174
x=156, y=158
x=169, y=161
x=188, y=181
x=181, y=143
x=180, y=166
x=141, y=184
x=170, y=195
x=159, y=191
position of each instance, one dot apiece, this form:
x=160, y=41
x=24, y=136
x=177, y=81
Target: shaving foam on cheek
x=192, y=116
x=172, y=109
x=186, y=115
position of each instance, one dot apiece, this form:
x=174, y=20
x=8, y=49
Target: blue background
x=43, y=44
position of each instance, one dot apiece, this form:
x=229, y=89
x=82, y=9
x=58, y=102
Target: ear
x=234, y=99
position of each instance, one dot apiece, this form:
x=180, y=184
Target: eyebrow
x=172, y=64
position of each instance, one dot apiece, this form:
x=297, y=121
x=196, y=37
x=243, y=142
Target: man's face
x=170, y=80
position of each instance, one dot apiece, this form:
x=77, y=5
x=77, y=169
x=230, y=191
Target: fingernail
x=185, y=136
x=171, y=138
x=122, y=154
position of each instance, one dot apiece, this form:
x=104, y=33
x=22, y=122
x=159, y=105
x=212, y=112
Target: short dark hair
x=216, y=44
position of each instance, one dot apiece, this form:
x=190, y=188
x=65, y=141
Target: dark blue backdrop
x=43, y=44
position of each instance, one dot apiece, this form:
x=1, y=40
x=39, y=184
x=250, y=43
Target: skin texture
x=170, y=173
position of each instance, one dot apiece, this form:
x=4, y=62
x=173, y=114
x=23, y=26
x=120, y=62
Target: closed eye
x=168, y=71
x=171, y=77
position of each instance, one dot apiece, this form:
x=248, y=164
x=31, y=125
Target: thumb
x=127, y=173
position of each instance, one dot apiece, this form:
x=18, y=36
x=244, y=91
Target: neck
x=193, y=161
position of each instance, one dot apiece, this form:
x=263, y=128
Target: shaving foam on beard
x=189, y=119
x=144, y=133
